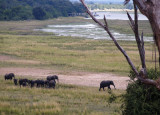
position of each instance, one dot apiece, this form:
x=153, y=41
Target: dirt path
x=76, y=78
x=84, y=79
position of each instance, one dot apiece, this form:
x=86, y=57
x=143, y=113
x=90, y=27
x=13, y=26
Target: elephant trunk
x=114, y=86
x=57, y=80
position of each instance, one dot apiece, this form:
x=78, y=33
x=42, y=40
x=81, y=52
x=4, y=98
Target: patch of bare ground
x=83, y=79
x=75, y=78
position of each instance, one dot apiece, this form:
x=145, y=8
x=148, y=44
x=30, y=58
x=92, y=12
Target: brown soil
x=75, y=78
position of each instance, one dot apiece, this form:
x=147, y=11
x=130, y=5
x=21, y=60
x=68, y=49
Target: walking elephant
x=106, y=84
x=53, y=77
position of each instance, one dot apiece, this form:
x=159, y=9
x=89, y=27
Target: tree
x=39, y=13
x=151, y=9
x=37, y=9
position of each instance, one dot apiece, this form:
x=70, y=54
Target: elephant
x=15, y=82
x=9, y=76
x=53, y=77
x=46, y=83
x=52, y=84
x=40, y=83
x=23, y=82
x=31, y=82
x=106, y=84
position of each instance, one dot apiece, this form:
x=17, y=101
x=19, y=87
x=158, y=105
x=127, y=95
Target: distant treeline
x=37, y=9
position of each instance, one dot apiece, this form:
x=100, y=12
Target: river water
x=93, y=31
x=117, y=15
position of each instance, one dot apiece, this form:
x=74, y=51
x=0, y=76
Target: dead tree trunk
x=151, y=9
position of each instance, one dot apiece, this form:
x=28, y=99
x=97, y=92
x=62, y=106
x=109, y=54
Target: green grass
x=123, y=27
x=18, y=41
x=66, y=53
x=64, y=99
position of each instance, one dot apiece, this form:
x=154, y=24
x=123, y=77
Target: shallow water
x=93, y=31
x=88, y=30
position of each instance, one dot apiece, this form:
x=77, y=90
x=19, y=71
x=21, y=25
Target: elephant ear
x=126, y=2
x=111, y=82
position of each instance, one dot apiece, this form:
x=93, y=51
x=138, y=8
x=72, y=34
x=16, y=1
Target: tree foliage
x=37, y=9
x=39, y=13
x=141, y=99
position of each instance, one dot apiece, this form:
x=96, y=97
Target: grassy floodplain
x=65, y=99
x=67, y=54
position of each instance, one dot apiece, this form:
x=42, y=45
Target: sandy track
x=83, y=79
x=75, y=78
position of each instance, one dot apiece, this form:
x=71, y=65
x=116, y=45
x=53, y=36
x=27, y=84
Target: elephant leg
x=109, y=88
x=103, y=89
x=100, y=89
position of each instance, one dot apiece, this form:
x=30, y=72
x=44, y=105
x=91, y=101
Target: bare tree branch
x=141, y=5
x=111, y=36
x=140, y=44
x=138, y=38
x=134, y=26
x=126, y=2
x=143, y=50
x=105, y=21
x=131, y=22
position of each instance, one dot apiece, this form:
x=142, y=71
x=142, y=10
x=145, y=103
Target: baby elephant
x=106, y=84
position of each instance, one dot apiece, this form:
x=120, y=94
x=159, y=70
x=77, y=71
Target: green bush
x=141, y=99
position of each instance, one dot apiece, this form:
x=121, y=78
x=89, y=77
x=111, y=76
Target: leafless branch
x=126, y=2
x=112, y=37
x=105, y=21
x=143, y=50
x=140, y=44
x=141, y=5
x=131, y=22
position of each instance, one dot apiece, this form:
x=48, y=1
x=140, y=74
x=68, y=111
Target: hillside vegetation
x=37, y=9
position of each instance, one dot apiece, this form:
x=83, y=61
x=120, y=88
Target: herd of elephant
x=50, y=82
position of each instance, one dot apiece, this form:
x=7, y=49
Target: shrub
x=141, y=99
